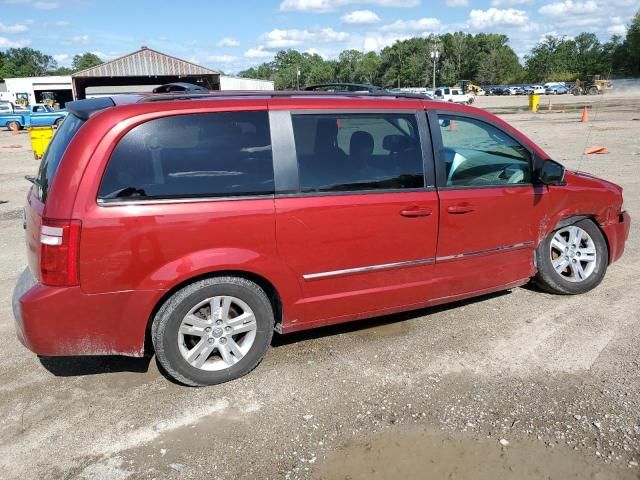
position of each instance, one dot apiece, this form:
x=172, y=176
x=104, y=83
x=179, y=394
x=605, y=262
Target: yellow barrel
x=40, y=138
x=534, y=99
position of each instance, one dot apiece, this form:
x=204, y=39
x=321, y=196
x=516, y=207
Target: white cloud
x=568, y=7
x=510, y=3
x=46, y=5
x=618, y=29
x=228, y=42
x=63, y=23
x=16, y=28
x=82, y=39
x=6, y=43
x=457, y=3
x=420, y=25
x=360, y=17
x=221, y=58
x=378, y=41
x=322, y=6
x=258, y=52
x=483, y=19
x=280, y=38
x=63, y=59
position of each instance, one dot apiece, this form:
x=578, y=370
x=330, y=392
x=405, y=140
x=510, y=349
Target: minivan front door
x=489, y=206
x=360, y=231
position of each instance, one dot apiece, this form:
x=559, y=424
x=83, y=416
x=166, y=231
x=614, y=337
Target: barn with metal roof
x=145, y=69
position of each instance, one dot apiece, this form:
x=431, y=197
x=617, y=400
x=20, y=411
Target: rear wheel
x=58, y=122
x=14, y=126
x=213, y=330
x=572, y=259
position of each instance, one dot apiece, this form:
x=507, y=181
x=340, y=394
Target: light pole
x=298, y=78
x=434, y=57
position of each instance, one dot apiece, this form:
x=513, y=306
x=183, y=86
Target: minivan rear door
x=356, y=209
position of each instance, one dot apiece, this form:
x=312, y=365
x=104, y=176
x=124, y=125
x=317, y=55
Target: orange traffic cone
x=452, y=125
x=585, y=115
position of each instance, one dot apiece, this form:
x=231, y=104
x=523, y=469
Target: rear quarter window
x=188, y=156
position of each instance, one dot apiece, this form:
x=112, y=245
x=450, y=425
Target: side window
x=477, y=153
x=201, y=155
x=354, y=152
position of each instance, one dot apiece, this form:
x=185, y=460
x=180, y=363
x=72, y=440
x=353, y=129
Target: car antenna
x=595, y=114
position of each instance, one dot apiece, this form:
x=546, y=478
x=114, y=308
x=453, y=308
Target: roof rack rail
x=278, y=94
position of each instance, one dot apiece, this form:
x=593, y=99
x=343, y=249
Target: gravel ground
x=520, y=380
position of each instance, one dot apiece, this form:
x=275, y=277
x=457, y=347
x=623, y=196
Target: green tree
x=25, y=62
x=84, y=61
x=632, y=46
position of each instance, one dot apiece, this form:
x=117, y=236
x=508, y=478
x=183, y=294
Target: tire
x=562, y=275
x=58, y=122
x=176, y=347
x=10, y=125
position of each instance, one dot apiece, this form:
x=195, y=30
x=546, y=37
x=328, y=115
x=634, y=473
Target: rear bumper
x=617, y=234
x=60, y=321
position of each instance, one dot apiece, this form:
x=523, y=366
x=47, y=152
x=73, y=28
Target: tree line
x=27, y=62
x=484, y=58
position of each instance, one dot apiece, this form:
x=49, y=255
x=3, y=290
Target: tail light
x=59, y=252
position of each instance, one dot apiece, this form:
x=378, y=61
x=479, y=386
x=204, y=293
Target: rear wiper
x=126, y=192
x=33, y=179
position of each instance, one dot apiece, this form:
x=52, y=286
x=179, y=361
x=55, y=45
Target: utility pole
x=298, y=79
x=434, y=57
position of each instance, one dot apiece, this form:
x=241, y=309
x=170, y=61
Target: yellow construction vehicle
x=22, y=99
x=468, y=87
x=48, y=98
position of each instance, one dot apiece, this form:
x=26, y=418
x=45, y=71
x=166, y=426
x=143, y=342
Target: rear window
x=197, y=155
x=53, y=155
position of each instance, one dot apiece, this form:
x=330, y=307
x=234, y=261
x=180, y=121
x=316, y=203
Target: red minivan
x=207, y=221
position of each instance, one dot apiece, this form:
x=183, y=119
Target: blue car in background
x=38, y=115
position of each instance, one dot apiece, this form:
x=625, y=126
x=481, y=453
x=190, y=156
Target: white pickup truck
x=454, y=95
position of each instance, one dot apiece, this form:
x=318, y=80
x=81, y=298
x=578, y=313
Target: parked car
x=180, y=87
x=38, y=115
x=453, y=95
x=206, y=223
x=556, y=90
x=509, y=91
x=520, y=90
x=535, y=90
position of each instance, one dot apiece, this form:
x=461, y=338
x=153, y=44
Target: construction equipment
x=49, y=98
x=22, y=99
x=468, y=87
x=591, y=85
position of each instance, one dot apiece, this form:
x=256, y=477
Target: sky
x=233, y=35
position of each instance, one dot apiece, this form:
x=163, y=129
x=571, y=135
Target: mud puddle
x=435, y=456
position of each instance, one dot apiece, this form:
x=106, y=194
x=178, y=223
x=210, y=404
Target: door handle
x=460, y=209
x=416, y=212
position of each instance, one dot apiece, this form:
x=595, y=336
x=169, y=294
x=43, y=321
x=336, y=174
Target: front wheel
x=572, y=259
x=213, y=330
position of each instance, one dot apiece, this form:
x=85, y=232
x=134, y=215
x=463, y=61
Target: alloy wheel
x=217, y=333
x=573, y=253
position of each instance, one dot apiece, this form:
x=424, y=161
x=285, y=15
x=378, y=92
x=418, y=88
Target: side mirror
x=551, y=173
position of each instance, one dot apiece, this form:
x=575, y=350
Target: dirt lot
x=514, y=385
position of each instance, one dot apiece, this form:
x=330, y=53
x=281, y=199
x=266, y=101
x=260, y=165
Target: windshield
x=54, y=153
